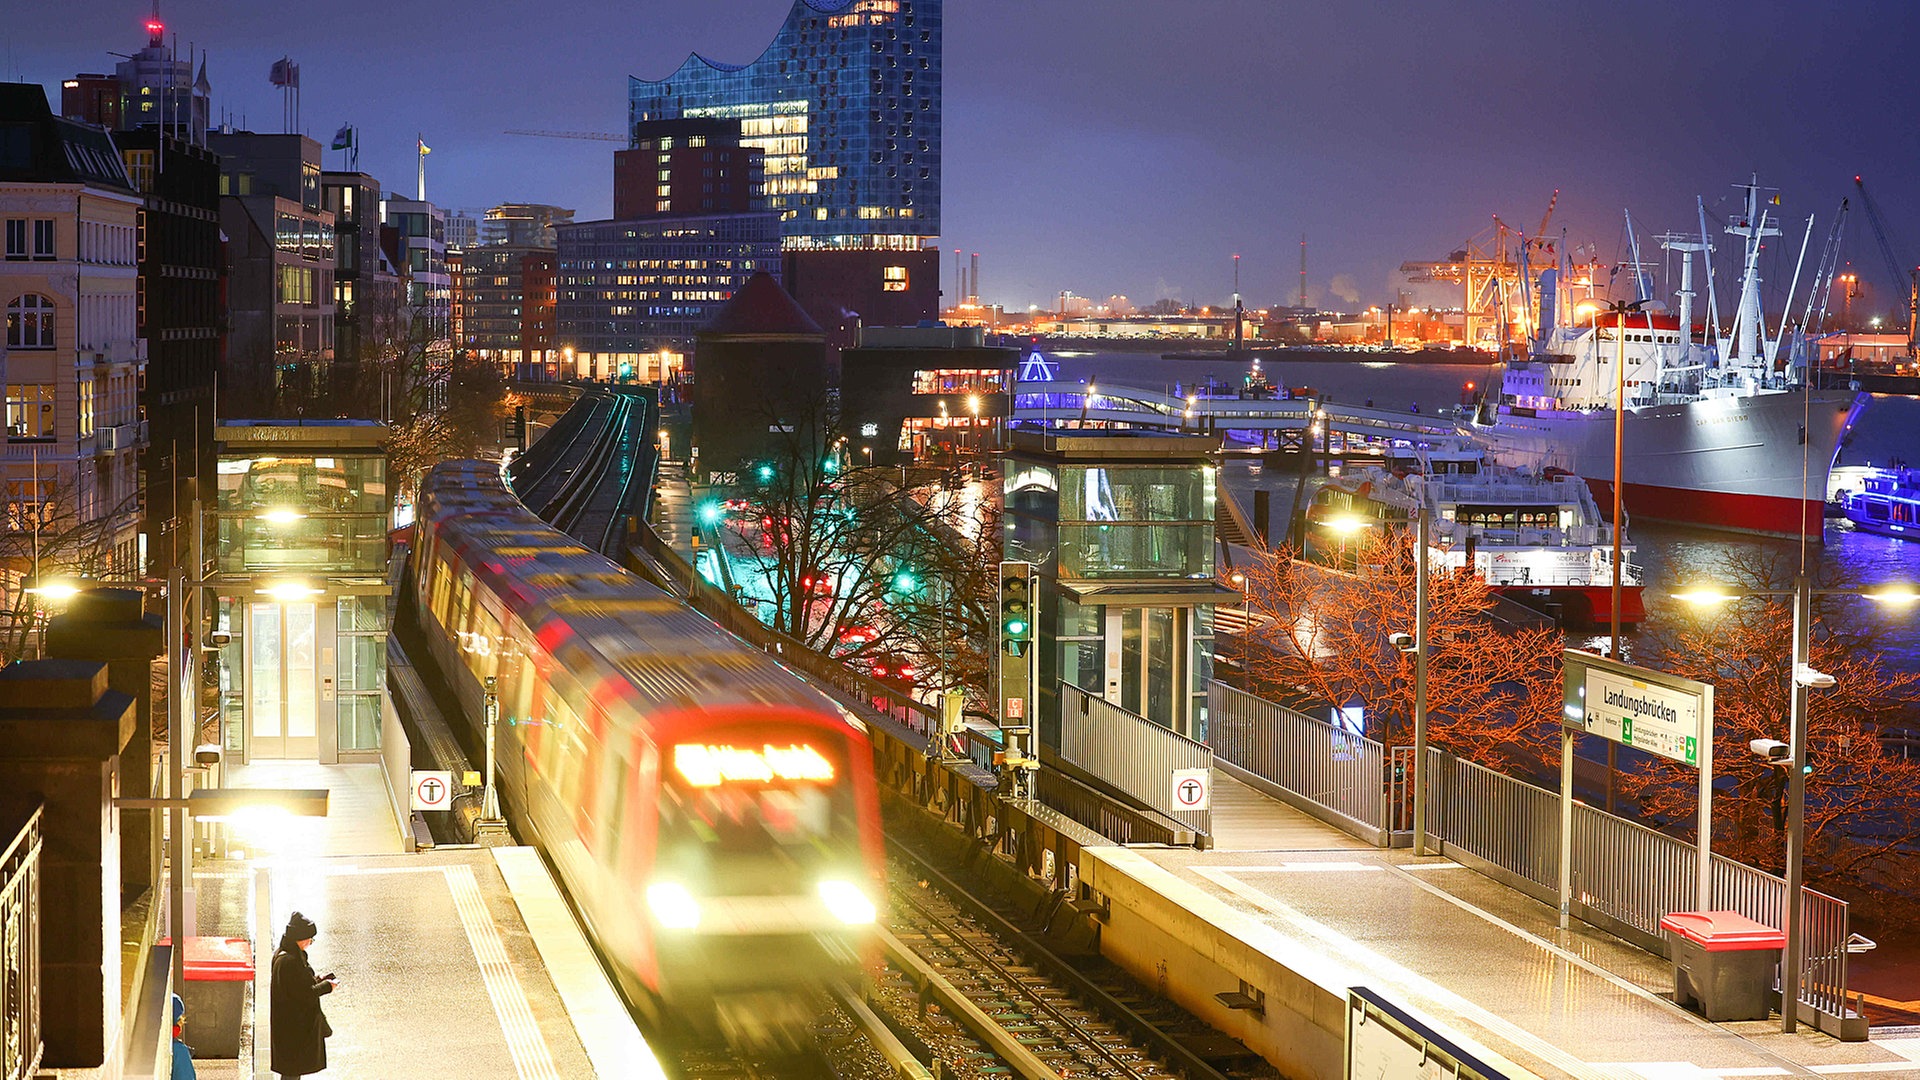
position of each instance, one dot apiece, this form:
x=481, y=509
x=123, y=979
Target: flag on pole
x=284, y=73
x=343, y=139
x=424, y=148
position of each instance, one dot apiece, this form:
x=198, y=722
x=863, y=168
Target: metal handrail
x=1130, y=753
x=20, y=1031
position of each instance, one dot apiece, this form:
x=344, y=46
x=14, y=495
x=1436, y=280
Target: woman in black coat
x=299, y=1027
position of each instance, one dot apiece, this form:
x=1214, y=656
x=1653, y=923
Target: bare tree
x=1863, y=794
x=46, y=539
x=1321, y=637
x=850, y=562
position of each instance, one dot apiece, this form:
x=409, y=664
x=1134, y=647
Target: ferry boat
x=1535, y=537
x=1887, y=502
x=1715, y=429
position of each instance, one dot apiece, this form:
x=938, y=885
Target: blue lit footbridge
x=1106, y=405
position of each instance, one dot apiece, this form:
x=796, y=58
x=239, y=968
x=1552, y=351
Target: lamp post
x=1619, y=309
x=1802, y=677
x=1421, y=602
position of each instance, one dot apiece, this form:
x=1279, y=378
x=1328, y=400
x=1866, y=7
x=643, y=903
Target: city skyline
x=1115, y=150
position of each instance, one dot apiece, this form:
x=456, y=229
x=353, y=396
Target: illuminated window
x=893, y=279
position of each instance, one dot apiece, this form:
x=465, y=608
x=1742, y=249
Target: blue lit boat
x=1887, y=502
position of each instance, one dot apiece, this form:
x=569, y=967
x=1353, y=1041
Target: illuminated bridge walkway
x=1107, y=404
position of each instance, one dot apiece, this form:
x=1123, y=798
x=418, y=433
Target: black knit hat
x=300, y=928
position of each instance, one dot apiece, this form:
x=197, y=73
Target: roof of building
x=38, y=146
x=762, y=307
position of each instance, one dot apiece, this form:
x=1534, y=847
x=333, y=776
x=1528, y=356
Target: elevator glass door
x=282, y=681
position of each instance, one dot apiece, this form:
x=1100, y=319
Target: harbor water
x=1669, y=556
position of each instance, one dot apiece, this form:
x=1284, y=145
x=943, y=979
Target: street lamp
x=1619, y=309
x=1804, y=676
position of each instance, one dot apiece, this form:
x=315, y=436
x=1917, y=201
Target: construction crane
x=596, y=136
x=1896, y=269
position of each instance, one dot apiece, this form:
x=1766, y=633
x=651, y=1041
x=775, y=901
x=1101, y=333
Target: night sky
x=1132, y=147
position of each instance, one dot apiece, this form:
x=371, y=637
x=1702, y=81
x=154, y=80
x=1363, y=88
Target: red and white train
x=713, y=817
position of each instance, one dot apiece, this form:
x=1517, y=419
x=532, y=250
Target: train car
x=714, y=818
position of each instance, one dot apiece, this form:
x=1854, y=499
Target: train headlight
x=848, y=903
x=673, y=906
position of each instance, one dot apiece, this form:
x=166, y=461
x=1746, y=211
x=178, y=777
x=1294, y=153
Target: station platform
x=1302, y=911
x=459, y=960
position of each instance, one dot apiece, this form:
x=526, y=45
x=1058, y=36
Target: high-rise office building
x=463, y=229
x=525, y=224
x=632, y=294
x=421, y=256
x=845, y=105
x=280, y=297
x=151, y=88
x=686, y=167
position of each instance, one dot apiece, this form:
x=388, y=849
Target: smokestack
x=973, y=280
x=1303, y=270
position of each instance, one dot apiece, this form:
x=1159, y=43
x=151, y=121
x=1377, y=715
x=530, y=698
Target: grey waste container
x=1723, y=963
x=217, y=971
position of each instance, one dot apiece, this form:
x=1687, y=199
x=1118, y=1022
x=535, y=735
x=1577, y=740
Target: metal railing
x=1131, y=753
x=1341, y=773
x=1625, y=876
x=20, y=1046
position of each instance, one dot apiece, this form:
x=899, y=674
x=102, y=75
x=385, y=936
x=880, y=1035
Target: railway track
x=542, y=483
x=600, y=520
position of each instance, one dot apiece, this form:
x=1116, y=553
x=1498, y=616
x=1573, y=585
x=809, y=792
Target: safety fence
x=20, y=1046
x=1626, y=876
x=1131, y=753
x=1338, y=776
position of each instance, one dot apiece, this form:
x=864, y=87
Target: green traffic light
x=903, y=581
x=1016, y=627
x=765, y=473
x=711, y=513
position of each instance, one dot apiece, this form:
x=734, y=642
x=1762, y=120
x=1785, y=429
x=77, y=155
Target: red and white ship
x=1719, y=432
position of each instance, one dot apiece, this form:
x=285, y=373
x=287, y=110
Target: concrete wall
x=1186, y=945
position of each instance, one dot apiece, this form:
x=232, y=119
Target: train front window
x=755, y=815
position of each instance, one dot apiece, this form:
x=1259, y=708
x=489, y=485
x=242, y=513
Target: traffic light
x=1019, y=677
x=764, y=471
x=1016, y=609
x=711, y=512
x=904, y=581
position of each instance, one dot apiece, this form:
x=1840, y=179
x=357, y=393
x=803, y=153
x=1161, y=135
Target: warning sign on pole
x=432, y=790
x=1192, y=789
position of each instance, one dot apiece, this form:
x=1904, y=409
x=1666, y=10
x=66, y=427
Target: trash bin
x=217, y=971
x=1723, y=963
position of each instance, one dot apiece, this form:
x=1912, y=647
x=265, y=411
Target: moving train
x=714, y=818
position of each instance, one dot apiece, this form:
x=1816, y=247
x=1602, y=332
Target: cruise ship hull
x=1730, y=463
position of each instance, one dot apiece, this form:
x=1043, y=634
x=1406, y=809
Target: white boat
x=1536, y=537
x=1719, y=432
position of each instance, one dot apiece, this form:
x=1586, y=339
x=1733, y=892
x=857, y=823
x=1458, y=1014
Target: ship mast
x=1746, y=348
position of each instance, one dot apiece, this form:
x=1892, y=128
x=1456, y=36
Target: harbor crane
x=596, y=136
x=1897, y=270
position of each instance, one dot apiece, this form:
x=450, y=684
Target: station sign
x=1648, y=710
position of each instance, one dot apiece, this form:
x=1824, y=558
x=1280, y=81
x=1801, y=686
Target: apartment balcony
x=114, y=438
x=114, y=354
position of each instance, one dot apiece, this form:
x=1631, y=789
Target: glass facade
x=633, y=286
x=1136, y=521
x=300, y=539
x=312, y=513
x=845, y=105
